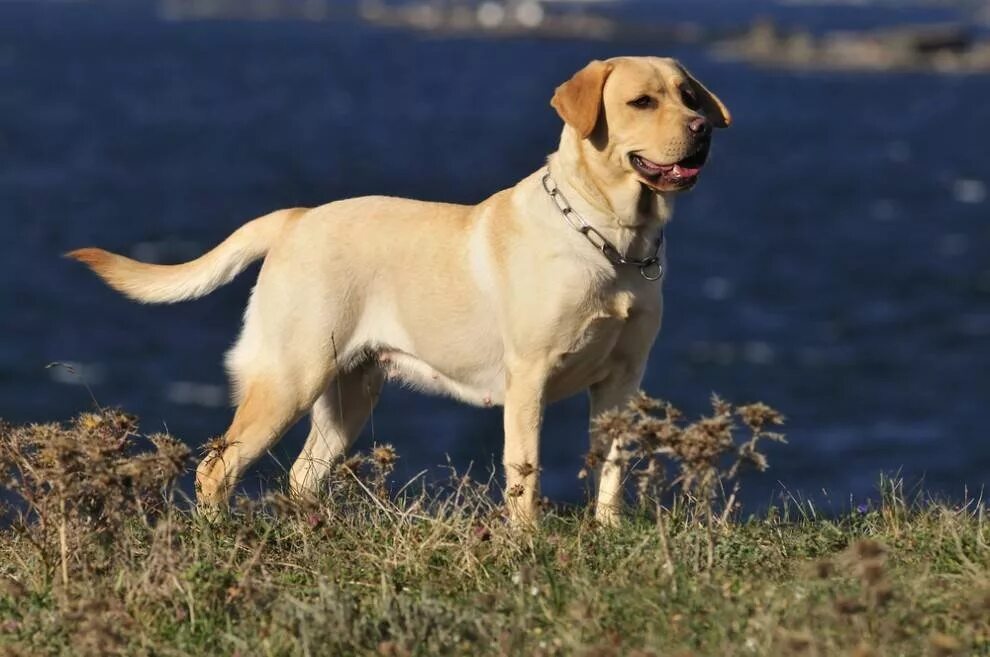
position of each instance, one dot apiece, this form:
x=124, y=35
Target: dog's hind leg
x=337, y=418
x=270, y=404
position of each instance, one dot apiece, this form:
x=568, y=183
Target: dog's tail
x=150, y=283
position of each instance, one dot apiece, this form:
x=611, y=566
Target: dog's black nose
x=700, y=126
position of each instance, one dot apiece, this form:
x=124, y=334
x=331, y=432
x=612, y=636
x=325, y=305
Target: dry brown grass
x=96, y=558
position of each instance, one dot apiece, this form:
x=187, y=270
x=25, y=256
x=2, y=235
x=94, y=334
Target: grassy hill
x=97, y=559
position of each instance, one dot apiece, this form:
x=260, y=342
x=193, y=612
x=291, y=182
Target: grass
x=96, y=558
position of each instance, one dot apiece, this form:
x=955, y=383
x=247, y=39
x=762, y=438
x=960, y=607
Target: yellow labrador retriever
x=539, y=292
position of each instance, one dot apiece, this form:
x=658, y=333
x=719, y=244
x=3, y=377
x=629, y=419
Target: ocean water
x=832, y=262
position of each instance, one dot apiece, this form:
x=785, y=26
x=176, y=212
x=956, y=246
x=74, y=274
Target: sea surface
x=833, y=262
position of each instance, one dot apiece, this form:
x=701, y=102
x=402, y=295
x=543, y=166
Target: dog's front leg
x=523, y=416
x=611, y=394
x=628, y=364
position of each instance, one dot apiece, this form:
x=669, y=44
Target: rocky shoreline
x=947, y=48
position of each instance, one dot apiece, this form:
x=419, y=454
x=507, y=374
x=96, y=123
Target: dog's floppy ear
x=579, y=100
x=713, y=107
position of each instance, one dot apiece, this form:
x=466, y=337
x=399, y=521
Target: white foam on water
x=74, y=373
x=953, y=244
x=191, y=393
x=967, y=190
x=717, y=288
x=758, y=353
x=884, y=209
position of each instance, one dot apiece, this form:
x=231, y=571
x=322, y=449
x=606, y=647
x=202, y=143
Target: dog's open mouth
x=667, y=177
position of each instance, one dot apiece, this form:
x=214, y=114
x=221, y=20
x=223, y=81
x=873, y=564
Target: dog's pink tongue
x=685, y=172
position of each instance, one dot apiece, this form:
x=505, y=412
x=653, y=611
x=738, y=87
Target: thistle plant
x=695, y=461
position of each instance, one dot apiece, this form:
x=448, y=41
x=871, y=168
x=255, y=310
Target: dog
x=539, y=292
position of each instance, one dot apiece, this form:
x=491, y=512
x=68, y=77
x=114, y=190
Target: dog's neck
x=627, y=212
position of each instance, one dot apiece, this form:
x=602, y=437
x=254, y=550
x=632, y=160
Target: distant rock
x=945, y=48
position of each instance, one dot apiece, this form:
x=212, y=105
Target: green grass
x=96, y=560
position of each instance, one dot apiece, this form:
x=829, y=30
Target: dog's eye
x=643, y=102
x=689, y=98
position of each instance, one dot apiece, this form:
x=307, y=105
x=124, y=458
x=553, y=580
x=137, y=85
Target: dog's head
x=646, y=116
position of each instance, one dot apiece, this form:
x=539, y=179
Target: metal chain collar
x=651, y=268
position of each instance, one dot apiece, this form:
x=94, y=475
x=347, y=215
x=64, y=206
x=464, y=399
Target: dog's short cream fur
x=499, y=303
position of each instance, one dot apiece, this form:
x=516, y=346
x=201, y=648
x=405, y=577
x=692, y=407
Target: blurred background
x=832, y=263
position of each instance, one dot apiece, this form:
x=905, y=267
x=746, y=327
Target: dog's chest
x=586, y=356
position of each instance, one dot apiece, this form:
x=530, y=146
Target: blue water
x=831, y=263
